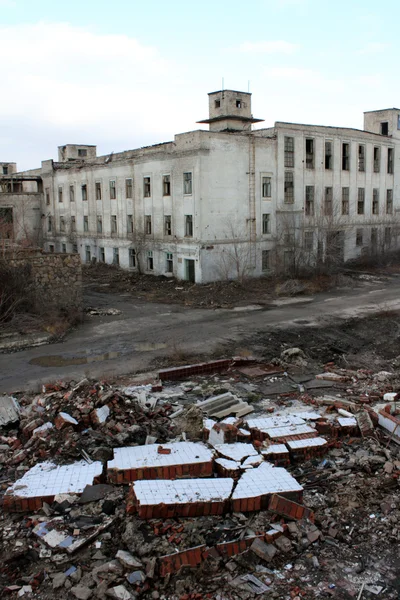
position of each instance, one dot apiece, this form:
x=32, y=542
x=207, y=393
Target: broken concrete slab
x=308, y=448
x=169, y=461
x=180, y=498
x=93, y=493
x=9, y=410
x=224, y=405
x=45, y=480
x=264, y=551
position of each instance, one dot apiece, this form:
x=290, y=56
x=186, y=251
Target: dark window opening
x=328, y=155
x=309, y=153
x=385, y=128
x=166, y=185
x=218, y=104
x=345, y=200
x=289, y=187
x=390, y=161
x=361, y=158
x=309, y=208
x=146, y=187
x=82, y=152
x=346, y=157
x=377, y=159
x=238, y=104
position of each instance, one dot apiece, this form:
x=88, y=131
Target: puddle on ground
x=68, y=361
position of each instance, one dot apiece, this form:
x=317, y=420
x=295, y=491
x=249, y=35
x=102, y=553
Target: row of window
x=328, y=199
x=289, y=156
x=98, y=191
x=114, y=224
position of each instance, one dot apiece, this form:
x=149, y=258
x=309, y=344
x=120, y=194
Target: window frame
x=147, y=186
x=85, y=223
x=98, y=190
x=188, y=183
x=72, y=192
x=345, y=200
x=148, y=226
x=266, y=223
x=345, y=156
x=288, y=187
x=84, y=192
x=166, y=182
x=169, y=262
x=129, y=223
x=114, y=225
x=309, y=200
x=389, y=201
x=168, y=225
x=288, y=148
x=129, y=188
x=360, y=200
x=266, y=186
x=113, y=189
x=99, y=223
x=188, y=226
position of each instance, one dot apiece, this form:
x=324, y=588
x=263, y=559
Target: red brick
x=289, y=509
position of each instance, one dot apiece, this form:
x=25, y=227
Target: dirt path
x=145, y=332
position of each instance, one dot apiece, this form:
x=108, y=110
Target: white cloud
x=269, y=47
x=64, y=78
x=374, y=48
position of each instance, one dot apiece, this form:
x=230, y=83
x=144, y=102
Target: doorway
x=190, y=274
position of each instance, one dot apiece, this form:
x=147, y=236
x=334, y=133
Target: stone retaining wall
x=57, y=278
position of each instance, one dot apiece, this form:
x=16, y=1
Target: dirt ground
x=220, y=294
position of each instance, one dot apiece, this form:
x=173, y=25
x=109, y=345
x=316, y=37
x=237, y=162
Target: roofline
x=235, y=91
x=277, y=123
x=86, y=145
x=380, y=110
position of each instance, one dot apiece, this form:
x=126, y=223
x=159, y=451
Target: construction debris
x=172, y=491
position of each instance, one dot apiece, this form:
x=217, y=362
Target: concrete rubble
x=173, y=490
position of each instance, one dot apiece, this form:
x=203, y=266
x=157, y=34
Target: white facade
x=220, y=203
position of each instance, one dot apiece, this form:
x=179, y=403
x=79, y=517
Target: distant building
x=228, y=202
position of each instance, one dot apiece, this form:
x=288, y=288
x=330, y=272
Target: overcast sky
x=127, y=73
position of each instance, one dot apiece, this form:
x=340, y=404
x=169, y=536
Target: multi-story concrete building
x=227, y=202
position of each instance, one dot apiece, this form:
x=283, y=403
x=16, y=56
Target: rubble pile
x=257, y=481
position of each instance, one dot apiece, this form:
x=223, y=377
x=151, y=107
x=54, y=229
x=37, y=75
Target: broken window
x=113, y=190
x=84, y=191
x=116, y=256
x=87, y=254
x=187, y=183
x=86, y=223
x=169, y=267
x=375, y=201
x=388, y=237
x=62, y=224
x=64, y=248
x=166, y=185
x=98, y=190
x=72, y=193
x=102, y=255
x=5, y=170
x=289, y=187
x=147, y=187
x=147, y=224
x=374, y=238
x=75, y=248
x=217, y=103
x=114, y=228
x=266, y=220
x=49, y=223
x=51, y=248
x=129, y=188
x=328, y=203
x=150, y=263
x=47, y=196
x=309, y=208
x=129, y=223
x=390, y=161
x=99, y=224
x=289, y=151
x=82, y=152
x=73, y=224
x=345, y=200
x=377, y=159
x=265, y=260
x=359, y=237
x=167, y=225
x=309, y=153
x=328, y=155
x=385, y=128
x=361, y=157
x=60, y=194
x=188, y=226
x=266, y=187
x=308, y=240
x=346, y=157
x=389, y=202
x=361, y=201
x=132, y=258
x=238, y=104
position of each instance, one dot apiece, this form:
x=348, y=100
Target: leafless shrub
x=16, y=291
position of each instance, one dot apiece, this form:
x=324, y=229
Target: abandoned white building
x=227, y=202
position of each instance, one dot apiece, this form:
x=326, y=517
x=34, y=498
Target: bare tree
x=235, y=253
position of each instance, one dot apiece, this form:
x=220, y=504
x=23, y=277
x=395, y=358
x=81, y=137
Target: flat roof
x=380, y=110
x=277, y=123
x=234, y=91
